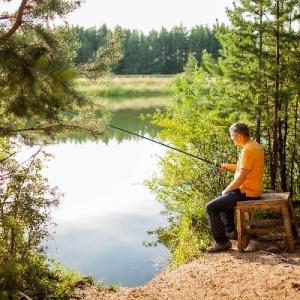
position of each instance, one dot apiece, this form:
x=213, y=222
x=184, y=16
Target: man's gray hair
x=239, y=128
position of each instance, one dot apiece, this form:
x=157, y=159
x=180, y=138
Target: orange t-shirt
x=252, y=158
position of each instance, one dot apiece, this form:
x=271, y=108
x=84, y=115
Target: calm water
x=103, y=219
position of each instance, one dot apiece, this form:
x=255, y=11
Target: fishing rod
x=7, y=157
x=157, y=142
x=162, y=144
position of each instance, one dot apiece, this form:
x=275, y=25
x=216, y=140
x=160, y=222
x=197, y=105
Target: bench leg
x=239, y=219
x=292, y=218
x=289, y=239
x=243, y=237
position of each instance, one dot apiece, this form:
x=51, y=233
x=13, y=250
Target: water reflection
x=128, y=119
x=106, y=212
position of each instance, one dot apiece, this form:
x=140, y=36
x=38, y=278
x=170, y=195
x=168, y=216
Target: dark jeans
x=220, y=212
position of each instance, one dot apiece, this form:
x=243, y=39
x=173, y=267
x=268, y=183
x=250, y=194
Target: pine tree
x=37, y=73
x=260, y=51
x=38, y=101
x=190, y=65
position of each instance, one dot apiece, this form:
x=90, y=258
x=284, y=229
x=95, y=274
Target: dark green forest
x=164, y=52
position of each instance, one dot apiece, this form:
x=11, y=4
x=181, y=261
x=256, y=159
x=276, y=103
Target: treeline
x=163, y=52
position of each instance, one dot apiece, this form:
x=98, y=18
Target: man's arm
x=237, y=181
x=228, y=167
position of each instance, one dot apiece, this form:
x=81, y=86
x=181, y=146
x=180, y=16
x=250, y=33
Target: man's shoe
x=232, y=235
x=215, y=247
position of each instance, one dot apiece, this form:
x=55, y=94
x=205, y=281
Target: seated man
x=246, y=184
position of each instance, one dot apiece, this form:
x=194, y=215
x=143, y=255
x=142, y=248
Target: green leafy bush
x=25, y=202
x=185, y=184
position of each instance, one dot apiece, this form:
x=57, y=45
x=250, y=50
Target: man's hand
x=237, y=181
x=228, y=167
x=223, y=167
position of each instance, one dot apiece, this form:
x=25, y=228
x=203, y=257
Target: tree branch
x=57, y=127
x=18, y=22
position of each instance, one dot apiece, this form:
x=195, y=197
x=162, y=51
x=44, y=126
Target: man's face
x=235, y=137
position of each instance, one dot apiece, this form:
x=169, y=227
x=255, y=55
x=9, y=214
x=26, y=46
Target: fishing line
x=162, y=144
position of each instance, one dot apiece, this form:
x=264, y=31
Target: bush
x=26, y=199
x=185, y=184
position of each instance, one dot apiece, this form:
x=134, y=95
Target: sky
x=147, y=15
x=143, y=15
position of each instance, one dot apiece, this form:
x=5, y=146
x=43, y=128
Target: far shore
x=128, y=91
x=126, y=86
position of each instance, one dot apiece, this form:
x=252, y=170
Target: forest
x=165, y=52
x=251, y=74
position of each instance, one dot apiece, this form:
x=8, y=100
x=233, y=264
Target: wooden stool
x=274, y=202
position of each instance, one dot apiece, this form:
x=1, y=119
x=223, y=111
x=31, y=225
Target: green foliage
x=163, y=52
x=257, y=77
x=40, y=83
x=255, y=81
x=190, y=66
x=25, y=202
x=37, y=89
x=105, y=57
x=184, y=184
x=38, y=102
x=37, y=278
x=100, y=285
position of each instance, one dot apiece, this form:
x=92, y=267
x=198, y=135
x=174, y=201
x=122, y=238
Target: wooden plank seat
x=278, y=202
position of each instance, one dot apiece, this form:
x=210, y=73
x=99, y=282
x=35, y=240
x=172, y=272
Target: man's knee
x=209, y=207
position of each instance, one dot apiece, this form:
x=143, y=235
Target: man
x=246, y=184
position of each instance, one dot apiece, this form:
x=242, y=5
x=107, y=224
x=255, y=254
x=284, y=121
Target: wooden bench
x=273, y=202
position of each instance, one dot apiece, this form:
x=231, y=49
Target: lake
x=103, y=219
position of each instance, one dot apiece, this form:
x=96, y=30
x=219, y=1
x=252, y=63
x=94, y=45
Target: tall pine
x=37, y=88
x=261, y=78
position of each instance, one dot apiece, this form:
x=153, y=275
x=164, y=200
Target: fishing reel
x=215, y=170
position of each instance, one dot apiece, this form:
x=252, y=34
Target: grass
x=130, y=91
x=127, y=86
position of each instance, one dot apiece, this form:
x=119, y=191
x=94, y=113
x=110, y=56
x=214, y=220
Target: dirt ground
x=264, y=271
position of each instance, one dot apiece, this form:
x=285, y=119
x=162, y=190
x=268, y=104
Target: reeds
x=127, y=86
